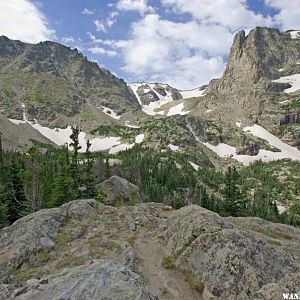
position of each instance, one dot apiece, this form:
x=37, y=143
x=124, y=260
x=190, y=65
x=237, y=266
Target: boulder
x=231, y=261
x=104, y=279
x=117, y=191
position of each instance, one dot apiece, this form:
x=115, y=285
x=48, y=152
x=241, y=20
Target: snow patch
x=110, y=112
x=281, y=209
x=173, y=147
x=131, y=126
x=192, y=93
x=139, y=138
x=238, y=124
x=194, y=166
x=225, y=150
x=295, y=34
x=61, y=136
x=294, y=80
x=177, y=110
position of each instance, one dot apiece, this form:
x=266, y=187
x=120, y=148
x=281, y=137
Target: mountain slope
x=55, y=83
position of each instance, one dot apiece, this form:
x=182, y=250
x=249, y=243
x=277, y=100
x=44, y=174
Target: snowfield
x=192, y=93
x=177, y=110
x=224, y=150
x=61, y=136
x=153, y=108
x=294, y=80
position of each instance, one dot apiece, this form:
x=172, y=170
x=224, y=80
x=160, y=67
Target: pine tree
x=33, y=188
x=1, y=150
x=63, y=185
x=89, y=179
x=234, y=200
x=74, y=159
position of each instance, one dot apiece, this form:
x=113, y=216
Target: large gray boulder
x=103, y=280
x=230, y=260
x=36, y=232
x=117, y=191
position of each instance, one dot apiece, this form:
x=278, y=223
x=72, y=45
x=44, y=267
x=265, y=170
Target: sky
x=181, y=42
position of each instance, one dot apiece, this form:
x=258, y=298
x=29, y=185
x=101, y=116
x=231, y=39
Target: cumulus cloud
x=233, y=14
x=288, y=16
x=21, y=19
x=102, y=51
x=140, y=6
x=189, y=53
x=182, y=54
x=99, y=25
x=68, y=40
x=88, y=12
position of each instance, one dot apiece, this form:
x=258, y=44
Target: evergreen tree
x=89, y=179
x=234, y=200
x=1, y=150
x=63, y=185
x=74, y=159
x=33, y=188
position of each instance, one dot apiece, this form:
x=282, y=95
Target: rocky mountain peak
x=260, y=54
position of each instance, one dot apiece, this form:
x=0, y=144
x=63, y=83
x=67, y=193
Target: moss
x=131, y=239
x=42, y=257
x=113, y=246
x=195, y=282
x=63, y=237
x=167, y=262
x=273, y=234
x=25, y=275
x=70, y=261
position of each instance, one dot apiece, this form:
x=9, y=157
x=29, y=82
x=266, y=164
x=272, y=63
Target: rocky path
x=166, y=284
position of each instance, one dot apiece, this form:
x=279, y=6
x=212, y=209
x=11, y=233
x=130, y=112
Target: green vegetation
x=47, y=177
x=70, y=261
x=126, y=133
x=167, y=262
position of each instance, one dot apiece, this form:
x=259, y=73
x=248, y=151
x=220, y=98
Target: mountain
x=57, y=85
x=192, y=208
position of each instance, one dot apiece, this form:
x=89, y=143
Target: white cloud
x=21, y=19
x=68, y=39
x=111, y=20
x=102, y=51
x=176, y=53
x=88, y=12
x=289, y=13
x=135, y=5
x=190, y=53
x=233, y=14
x=99, y=25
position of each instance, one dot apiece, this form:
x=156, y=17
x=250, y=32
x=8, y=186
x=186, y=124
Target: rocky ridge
x=147, y=251
x=56, y=83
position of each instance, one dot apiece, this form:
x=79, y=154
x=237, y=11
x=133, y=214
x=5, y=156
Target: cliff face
x=258, y=56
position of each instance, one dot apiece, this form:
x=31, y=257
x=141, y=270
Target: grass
x=63, y=237
x=42, y=257
x=70, y=261
x=195, y=282
x=273, y=234
x=168, y=262
x=131, y=239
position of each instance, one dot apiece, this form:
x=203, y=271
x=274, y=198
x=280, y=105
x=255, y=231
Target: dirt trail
x=166, y=284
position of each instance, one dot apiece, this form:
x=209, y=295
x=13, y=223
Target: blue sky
x=181, y=42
